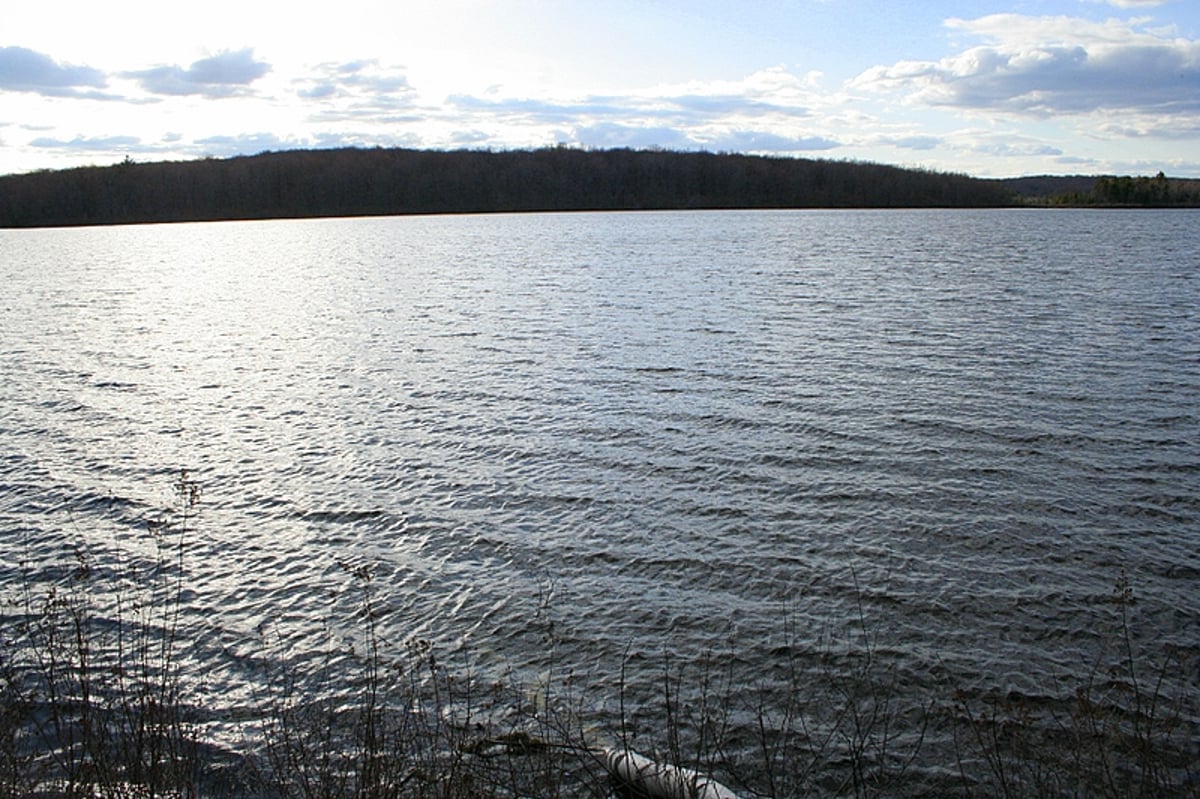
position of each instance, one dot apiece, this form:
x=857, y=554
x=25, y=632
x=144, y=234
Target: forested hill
x=308, y=183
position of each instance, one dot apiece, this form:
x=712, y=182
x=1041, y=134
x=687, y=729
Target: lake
x=581, y=442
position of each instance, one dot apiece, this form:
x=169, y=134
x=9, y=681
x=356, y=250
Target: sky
x=993, y=88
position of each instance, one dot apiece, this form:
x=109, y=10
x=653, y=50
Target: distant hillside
x=1044, y=186
x=357, y=182
x=1105, y=191
x=349, y=182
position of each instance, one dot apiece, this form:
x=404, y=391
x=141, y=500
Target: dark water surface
x=575, y=439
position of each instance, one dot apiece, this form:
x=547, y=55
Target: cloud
x=552, y=111
x=466, y=138
x=337, y=140
x=913, y=142
x=319, y=91
x=1146, y=126
x=366, y=82
x=371, y=77
x=1000, y=143
x=769, y=100
x=25, y=70
x=1009, y=149
x=614, y=134
x=226, y=146
x=366, y=92
x=755, y=141
x=99, y=144
x=768, y=91
x=1047, y=66
x=769, y=111
x=610, y=134
x=223, y=75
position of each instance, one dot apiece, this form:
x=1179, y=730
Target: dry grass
x=93, y=705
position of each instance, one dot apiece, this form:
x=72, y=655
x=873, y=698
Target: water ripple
x=957, y=428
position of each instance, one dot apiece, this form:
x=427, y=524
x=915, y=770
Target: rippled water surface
x=589, y=436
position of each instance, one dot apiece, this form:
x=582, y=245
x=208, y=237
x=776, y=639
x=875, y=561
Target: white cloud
x=366, y=91
x=757, y=141
x=771, y=110
x=1046, y=66
x=1150, y=126
x=499, y=74
x=615, y=134
x=223, y=75
x=222, y=146
x=360, y=78
x=1132, y=3
x=913, y=142
x=25, y=70
x=93, y=144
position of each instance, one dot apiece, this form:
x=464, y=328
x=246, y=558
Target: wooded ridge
x=350, y=182
x=356, y=182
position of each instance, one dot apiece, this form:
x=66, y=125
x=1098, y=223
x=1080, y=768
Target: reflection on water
x=629, y=433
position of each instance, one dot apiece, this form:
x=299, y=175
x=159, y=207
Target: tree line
x=351, y=182
x=1111, y=191
x=1158, y=191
